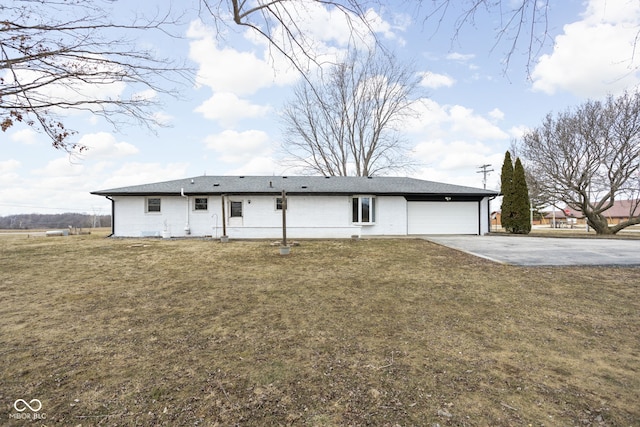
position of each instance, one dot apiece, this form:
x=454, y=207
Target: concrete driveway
x=546, y=251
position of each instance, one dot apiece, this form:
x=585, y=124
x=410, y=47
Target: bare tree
x=58, y=56
x=347, y=122
x=281, y=23
x=589, y=157
x=519, y=24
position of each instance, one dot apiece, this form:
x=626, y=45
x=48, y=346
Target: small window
x=201, y=204
x=236, y=209
x=153, y=204
x=279, y=203
x=363, y=209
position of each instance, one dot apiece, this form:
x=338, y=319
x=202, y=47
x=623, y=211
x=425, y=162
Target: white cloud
x=496, y=114
x=145, y=95
x=435, y=81
x=142, y=173
x=452, y=122
x=25, y=136
x=452, y=141
x=237, y=147
x=596, y=55
x=258, y=166
x=229, y=70
x=518, y=131
x=379, y=25
x=460, y=57
x=163, y=118
x=62, y=167
x=9, y=165
x=444, y=163
x=228, y=109
x=104, y=145
x=73, y=90
x=9, y=173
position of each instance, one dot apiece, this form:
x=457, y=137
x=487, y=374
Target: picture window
x=363, y=209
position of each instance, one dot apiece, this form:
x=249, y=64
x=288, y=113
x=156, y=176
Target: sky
x=470, y=106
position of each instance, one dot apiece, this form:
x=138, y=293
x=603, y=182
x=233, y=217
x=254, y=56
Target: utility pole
x=484, y=171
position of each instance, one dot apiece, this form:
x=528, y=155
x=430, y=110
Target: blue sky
x=227, y=122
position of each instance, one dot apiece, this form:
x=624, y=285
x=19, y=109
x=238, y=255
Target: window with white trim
x=200, y=204
x=153, y=204
x=235, y=210
x=363, y=209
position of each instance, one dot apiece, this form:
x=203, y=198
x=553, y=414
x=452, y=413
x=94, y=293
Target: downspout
x=187, y=230
x=113, y=216
x=224, y=237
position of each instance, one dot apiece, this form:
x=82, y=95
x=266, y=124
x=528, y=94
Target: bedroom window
x=153, y=204
x=200, y=204
x=236, y=209
x=363, y=209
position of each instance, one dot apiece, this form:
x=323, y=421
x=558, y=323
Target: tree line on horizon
x=62, y=220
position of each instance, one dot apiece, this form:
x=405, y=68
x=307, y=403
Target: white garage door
x=443, y=217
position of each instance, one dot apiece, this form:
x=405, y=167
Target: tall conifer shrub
x=521, y=206
x=506, y=179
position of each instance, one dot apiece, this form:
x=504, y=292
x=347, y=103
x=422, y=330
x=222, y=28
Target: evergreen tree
x=521, y=206
x=506, y=179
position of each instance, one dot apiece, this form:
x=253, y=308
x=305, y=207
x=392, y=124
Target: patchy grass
x=373, y=332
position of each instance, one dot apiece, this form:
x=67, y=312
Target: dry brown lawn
x=373, y=332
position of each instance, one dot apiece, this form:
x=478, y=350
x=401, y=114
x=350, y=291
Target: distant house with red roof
x=621, y=211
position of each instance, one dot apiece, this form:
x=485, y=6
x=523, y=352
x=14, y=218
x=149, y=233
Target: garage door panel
x=443, y=217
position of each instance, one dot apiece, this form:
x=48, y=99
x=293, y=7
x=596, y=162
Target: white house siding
x=485, y=219
x=132, y=220
x=391, y=217
x=307, y=217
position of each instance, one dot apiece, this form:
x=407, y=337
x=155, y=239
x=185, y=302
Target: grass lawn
x=372, y=332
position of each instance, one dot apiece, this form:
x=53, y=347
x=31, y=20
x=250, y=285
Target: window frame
x=357, y=215
x=148, y=205
x=278, y=203
x=231, y=209
x=197, y=206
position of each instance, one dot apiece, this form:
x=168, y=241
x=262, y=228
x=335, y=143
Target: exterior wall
x=391, y=217
x=132, y=220
x=485, y=216
x=307, y=217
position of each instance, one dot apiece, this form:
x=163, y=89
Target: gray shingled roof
x=296, y=185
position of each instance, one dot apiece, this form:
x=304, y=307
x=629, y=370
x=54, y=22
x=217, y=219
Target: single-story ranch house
x=316, y=207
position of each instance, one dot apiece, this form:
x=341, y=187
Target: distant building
x=621, y=211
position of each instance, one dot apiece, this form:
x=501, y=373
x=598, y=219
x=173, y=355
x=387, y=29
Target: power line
x=484, y=171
